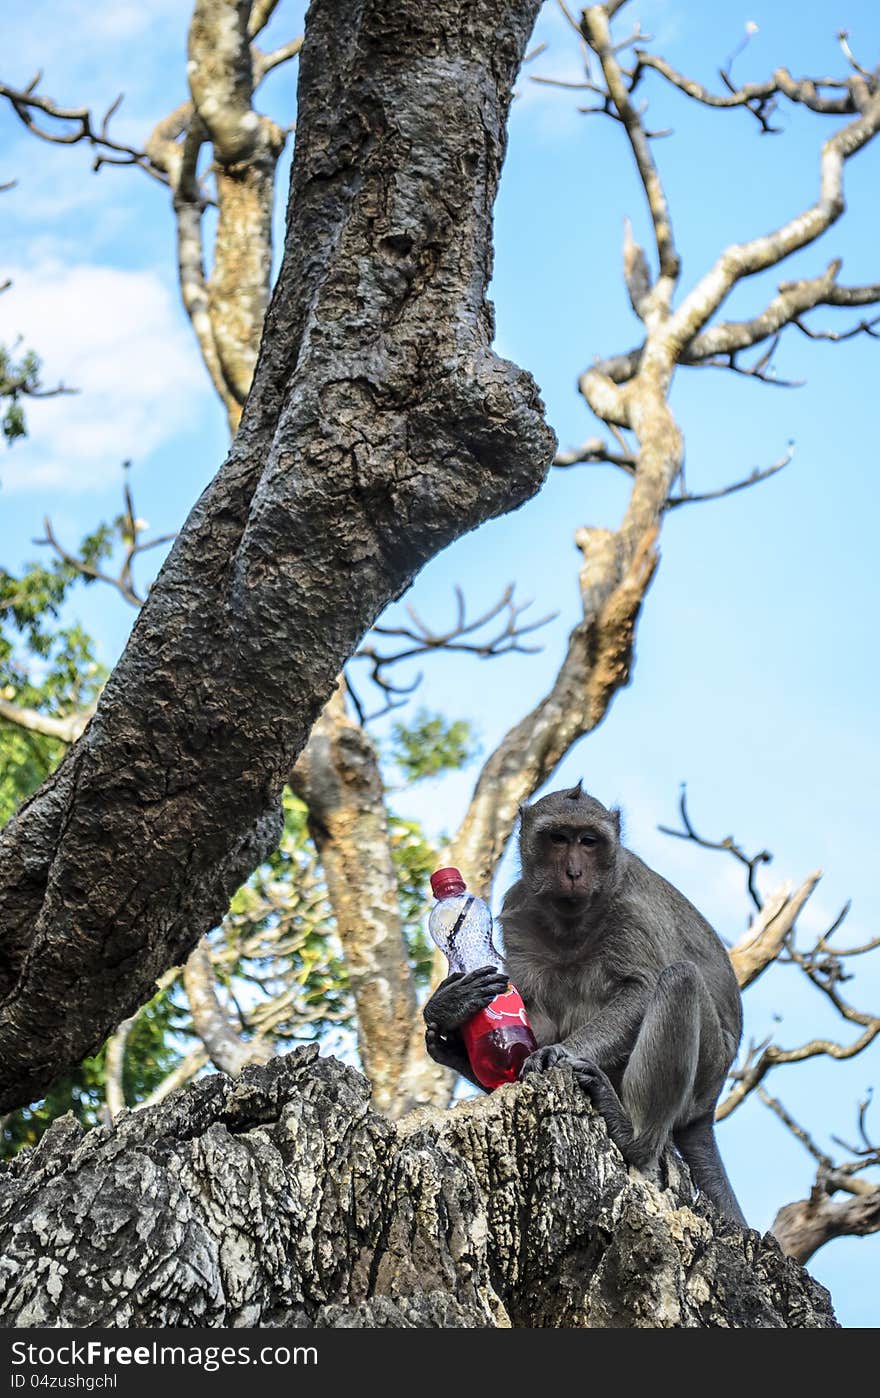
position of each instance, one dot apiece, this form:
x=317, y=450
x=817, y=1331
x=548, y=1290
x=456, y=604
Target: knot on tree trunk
x=282, y=1199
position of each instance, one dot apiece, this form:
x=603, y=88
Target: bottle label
x=499, y=1039
x=505, y=1009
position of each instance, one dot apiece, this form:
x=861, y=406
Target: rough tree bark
x=281, y=1199
x=380, y=426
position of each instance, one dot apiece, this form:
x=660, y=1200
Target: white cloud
x=119, y=338
x=552, y=109
x=78, y=32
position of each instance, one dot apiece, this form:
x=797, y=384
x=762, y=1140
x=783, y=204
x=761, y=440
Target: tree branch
x=425, y=640
x=758, y=1065
x=803, y=1227
x=183, y=1073
x=131, y=529
x=283, y=566
x=114, y=1067
x=793, y=301
x=338, y=777
x=595, y=30
x=227, y=1049
x=66, y=729
x=686, y=497
x=756, y=98
x=728, y=845
x=770, y=930
x=76, y=124
x=745, y=259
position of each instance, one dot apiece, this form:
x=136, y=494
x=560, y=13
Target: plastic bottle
x=498, y=1039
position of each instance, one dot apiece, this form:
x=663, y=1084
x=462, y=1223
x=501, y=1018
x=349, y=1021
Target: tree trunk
x=282, y=1199
x=380, y=426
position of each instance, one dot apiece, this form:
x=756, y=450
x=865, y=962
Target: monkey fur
x=622, y=979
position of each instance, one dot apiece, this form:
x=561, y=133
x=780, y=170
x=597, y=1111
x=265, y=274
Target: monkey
x=622, y=979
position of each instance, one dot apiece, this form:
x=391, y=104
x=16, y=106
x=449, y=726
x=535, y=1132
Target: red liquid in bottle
x=499, y=1039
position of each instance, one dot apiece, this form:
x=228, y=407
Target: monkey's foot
x=598, y=1088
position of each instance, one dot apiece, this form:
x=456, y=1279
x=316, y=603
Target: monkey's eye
x=557, y=838
x=588, y=839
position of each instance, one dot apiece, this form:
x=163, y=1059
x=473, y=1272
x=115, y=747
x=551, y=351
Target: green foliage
x=43, y=666
x=157, y=1041
x=30, y=603
x=415, y=859
x=19, y=378
x=153, y=1049
x=279, y=941
x=430, y=744
x=82, y=1093
x=100, y=543
x=60, y=676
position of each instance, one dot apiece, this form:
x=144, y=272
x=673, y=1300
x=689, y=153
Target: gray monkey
x=623, y=980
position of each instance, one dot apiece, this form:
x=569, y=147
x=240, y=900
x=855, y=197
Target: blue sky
x=756, y=676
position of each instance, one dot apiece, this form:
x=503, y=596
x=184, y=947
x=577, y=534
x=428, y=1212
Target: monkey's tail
x=696, y=1143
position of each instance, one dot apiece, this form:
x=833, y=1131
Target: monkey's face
x=572, y=864
x=569, y=844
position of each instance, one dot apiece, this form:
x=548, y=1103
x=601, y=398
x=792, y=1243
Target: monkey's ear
x=616, y=819
x=575, y=793
x=523, y=811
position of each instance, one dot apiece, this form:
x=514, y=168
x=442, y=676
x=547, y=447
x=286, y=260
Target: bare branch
x=753, y=1072
x=728, y=845
x=636, y=273
x=760, y=98
x=762, y=369
x=793, y=301
x=770, y=938
x=260, y=13
x=803, y=1227
x=425, y=640
x=123, y=582
x=868, y=1146
x=594, y=452
x=770, y=930
x=755, y=478
x=65, y=729
x=264, y=63
x=75, y=124
x=745, y=259
x=864, y=327
x=596, y=31
x=797, y=1131
x=114, y=1066
x=833, y=1177
x=843, y=38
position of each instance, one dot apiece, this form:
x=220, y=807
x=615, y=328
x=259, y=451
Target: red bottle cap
x=446, y=882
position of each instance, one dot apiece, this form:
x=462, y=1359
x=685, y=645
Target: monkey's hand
x=544, y=1058
x=449, y=1051
x=453, y=1003
x=460, y=997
